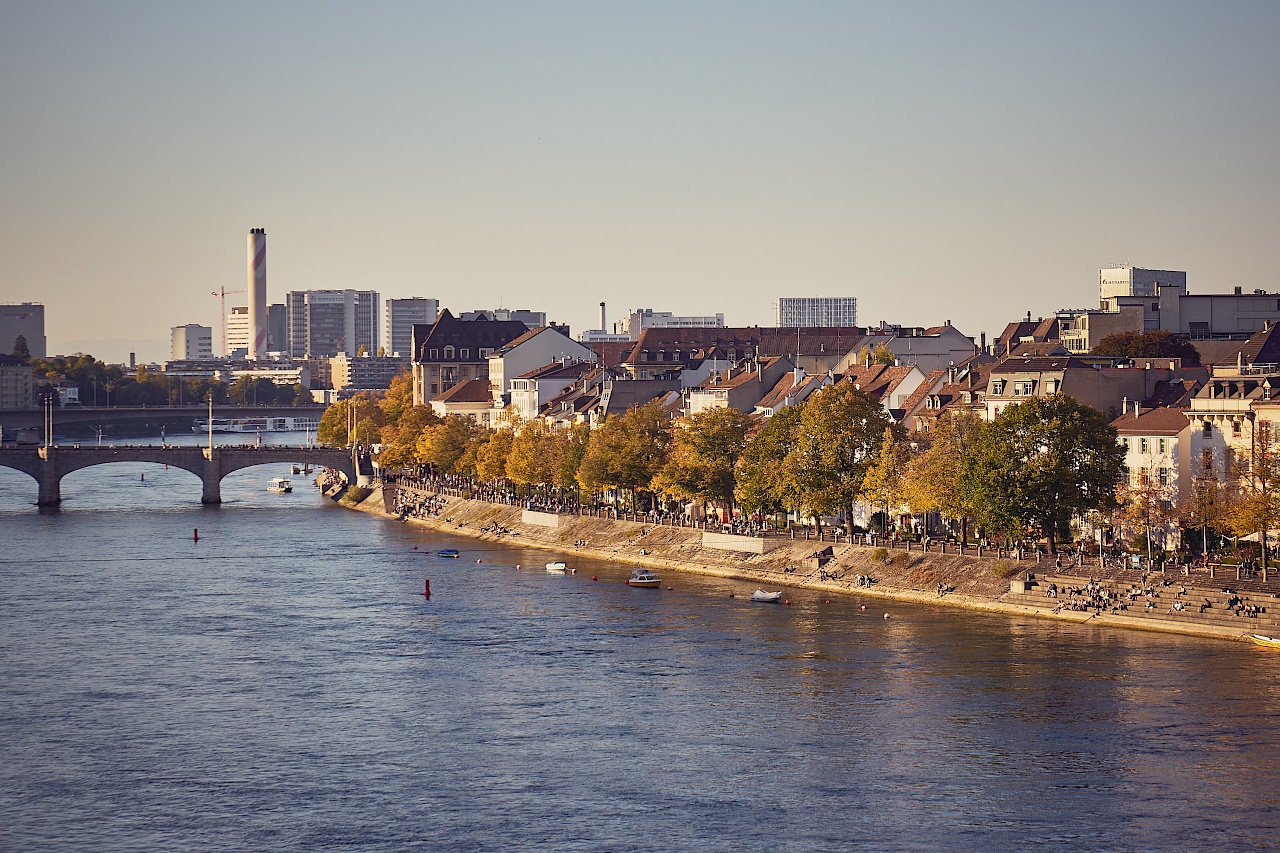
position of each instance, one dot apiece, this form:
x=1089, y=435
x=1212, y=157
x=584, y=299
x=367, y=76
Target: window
x=1235, y=427
x=1164, y=476
x=1155, y=306
x=1125, y=442
x=448, y=353
x=1144, y=445
x=1164, y=445
x=435, y=353
x=997, y=387
x=435, y=389
x=1026, y=388
x=464, y=353
x=1206, y=429
x=485, y=352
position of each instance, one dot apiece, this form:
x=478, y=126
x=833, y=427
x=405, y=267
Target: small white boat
x=644, y=577
x=279, y=485
x=558, y=567
x=767, y=597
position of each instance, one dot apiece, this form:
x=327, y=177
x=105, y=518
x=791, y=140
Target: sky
x=963, y=161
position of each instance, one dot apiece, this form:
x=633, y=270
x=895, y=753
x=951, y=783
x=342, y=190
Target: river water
x=283, y=685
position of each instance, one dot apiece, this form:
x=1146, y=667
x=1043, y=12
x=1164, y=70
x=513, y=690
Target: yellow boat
x=1269, y=642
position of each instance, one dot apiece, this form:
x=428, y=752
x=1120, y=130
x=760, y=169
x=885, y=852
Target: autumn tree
x=883, y=483
x=627, y=450
x=534, y=455
x=704, y=450
x=1147, y=503
x=1039, y=463
x=1255, y=482
x=450, y=444
x=1206, y=504
x=400, y=438
x=932, y=480
x=837, y=438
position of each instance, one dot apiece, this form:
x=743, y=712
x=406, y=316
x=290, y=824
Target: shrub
x=355, y=494
x=880, y=555
x=1004, y=569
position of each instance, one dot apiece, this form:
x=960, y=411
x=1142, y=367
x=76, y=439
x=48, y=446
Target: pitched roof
x=1263, y=347
x=877, y=380
x=786, y=386
x=611, y=353
x=1174, y=393
x=1038, y=348
x=471, y=391
x=1038, y=364
x=1158, y=421
x=560, y=370
x=473, y=335
x=930, y=384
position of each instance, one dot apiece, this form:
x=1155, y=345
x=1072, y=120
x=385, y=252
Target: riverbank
x=972, y=583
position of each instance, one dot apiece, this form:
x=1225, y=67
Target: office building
x=25, y=319
x=400, y=317
x=191, y=342
x=814, y=311
x=17, y=387
x=323, y=323
x=277, y=339
x=366, y=372
x=646, y=318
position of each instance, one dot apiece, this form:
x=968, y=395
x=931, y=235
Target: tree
x=451, y=444
x=20, y=348
x=400, y=439
x=628, y=450
x=1255, y=481
x=1039, y=463
x=1147, y=504
x=879, y=354
x=932, y=480
x=534, y=455
x=883, y=483
x=1156, y=344
x=763, y=482
x=704, y=450
x=491, y=459
x=1206, y=504
x=837, y=438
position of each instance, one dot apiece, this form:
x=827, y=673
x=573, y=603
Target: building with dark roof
x=450, y=351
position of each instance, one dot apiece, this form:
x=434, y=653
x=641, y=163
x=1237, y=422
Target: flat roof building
x=25, y=319
x=401, y=314
x=191, y=342
x=817, y=311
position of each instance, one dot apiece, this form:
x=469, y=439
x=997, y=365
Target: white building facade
x=810, y=311
x=401, y=314
x=191, y=342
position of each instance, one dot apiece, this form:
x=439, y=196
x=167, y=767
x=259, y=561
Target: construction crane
x=222, y=293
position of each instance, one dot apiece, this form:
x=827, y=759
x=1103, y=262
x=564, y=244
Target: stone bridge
x=48, y=465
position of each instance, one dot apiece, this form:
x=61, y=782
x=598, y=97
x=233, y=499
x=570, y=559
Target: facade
x=1105, y=388
x=17, y=386
x=646, y=318
x=936, y=348
x=366, y=372
x=817, y=311
x=533, y=349
x=25, y=319
x=323, y=323
x=469, y=397
x=1138, y=300
x=284, y=375
x=191, y=342
x=532, y=390
x=740, y=387
x=277, y=337
x=1158, y=456
x=451, y=350
x=401, y=315
x=238, y=332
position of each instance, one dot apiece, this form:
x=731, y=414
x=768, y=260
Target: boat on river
x=200, y=426
x=280, y=485
x=1263, y=640
x=766, y=597
x=557, y=567
x=448, y=552
x=644, y=577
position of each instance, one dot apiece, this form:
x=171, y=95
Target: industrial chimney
x=603, y=327
x=257, y=293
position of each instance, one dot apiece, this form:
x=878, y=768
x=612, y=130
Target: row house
x=532, y=350
x=893, y=385
x=791, y=389
x=1093, y=383
x=739, y=387
x=963, y=389
x=1159, y=456
x=531, y=390
x=1235, y=400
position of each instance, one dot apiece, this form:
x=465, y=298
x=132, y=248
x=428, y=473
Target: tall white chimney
x=603, y=327
x=257, y=293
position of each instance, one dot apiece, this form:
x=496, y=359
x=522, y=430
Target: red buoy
x=426, y=589
x=787, y=602
x=594, y=578
x=196, y=536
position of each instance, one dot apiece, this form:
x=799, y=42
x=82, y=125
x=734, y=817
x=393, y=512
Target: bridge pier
x=49, y=478
x=212, y=478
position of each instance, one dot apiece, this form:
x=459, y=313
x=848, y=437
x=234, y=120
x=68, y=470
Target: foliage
x=1255, y=484
x=355, y=494
x=534, y=455
x=762, y=483
x=1038, y=463
x=1146, y=504
x=704, y=450
x=400, y=436
x=837, y=438
x=491, y=457
x=879, y=354
x=1156, y=344
x=20, y=347
x=450, y=444
x=628, y=450
x=335, y=424
x=1206, y=504
x=883, y=483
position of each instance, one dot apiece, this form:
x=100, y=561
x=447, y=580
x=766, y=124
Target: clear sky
x=953, y=160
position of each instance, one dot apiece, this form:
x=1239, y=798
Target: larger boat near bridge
x=253, y=425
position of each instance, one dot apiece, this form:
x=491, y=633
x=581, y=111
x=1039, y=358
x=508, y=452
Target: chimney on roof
x=1124, y=406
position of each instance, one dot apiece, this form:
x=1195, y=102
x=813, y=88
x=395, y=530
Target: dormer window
x=448, y=352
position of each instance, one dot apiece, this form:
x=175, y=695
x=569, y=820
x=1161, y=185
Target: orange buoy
x=518, y=566
x=426, y=588
x=415, y=547
x=479, y=561
x=828, y=601
x=731, y=595
x=142, y=478
x=787, y=602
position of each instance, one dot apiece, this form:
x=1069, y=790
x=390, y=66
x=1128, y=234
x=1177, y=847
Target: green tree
x=1155, y=344
x=450, y=445
x=837, y=439
x=628, y=450
x=763, y=483
x=1039, y=463
x=20, y=347
x=704, y=450
x=534, y=455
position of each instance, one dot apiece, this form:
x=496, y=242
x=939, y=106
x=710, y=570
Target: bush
x=880, y=555
x=355, y=494
x=1004, y=569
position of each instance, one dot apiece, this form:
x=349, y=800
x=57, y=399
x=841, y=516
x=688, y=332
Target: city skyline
x=927, y=160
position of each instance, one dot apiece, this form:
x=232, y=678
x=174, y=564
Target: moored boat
x=279, y=485
x=1263, y=640
x=644, y=577
x=766, y=597
x=557, y=567
x=448, y=552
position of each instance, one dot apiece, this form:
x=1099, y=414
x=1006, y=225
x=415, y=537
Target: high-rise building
x=26, y=319
x=191, y=342
x=815, y=311
x=277, y=338
x=323, y=323
x=401, y=315
x=238, y=332
x=257, y=293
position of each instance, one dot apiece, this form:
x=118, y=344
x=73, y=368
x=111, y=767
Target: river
x=283, y=685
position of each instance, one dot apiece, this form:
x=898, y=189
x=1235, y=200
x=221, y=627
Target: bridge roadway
x=27, y=418
x=48, y=465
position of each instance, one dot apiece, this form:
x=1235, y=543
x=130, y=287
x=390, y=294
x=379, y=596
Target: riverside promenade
x=48, y=465
x=1107, y=596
